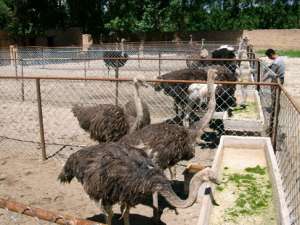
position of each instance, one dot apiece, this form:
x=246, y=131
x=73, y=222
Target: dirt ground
x=28, y=179
x=292, y=82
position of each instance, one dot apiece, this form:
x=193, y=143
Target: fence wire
x=171, y=102
x=288, y=155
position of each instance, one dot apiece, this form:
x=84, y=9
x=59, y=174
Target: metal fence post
x=258, y=74
x=22, y=81
x=84, y=69
x=117, y=85
x=275, y=117
x=43, y=59
x=159, y=63
x=41, y=121
x=139, y=63
x=16, y=63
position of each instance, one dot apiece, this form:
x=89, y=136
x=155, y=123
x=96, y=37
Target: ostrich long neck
x=168, y=193
x=200, y=125
x=139, y=109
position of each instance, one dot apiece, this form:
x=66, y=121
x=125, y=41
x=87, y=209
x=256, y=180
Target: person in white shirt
x=277, y=66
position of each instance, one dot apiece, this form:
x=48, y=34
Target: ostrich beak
x=140, y=82
x=211, y=196
x=214, y=180
x=144, y=84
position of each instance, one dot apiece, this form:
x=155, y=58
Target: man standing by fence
x=277, y=66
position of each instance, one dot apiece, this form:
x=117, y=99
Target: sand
x=27, y=179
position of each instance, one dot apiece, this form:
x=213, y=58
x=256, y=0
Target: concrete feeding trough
x=237, y=153
x=250, y=119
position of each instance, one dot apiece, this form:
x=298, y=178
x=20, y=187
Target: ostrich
x=121, y=57
x=180, y=93
x=167, y=144
x=107, y=122
x=113, y=173
x=197, y=95
x=192, y=62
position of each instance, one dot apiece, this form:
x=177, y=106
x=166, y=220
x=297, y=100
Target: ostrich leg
x=109, y=214
x=156, y=210
x=126, y=216
x=172, y=172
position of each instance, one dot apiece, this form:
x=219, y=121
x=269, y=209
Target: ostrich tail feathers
x=76, y=110
x=67, y=173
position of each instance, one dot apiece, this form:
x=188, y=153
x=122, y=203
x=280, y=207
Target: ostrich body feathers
x=113, y=173
x=166, y=144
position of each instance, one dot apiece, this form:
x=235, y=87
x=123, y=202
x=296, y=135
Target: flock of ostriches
x=128, y=163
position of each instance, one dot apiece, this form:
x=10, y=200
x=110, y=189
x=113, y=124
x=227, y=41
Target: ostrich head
x=205, y=175
x=208, y=175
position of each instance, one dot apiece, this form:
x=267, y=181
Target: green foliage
x=5, y=13
x=33, y=17
x=289, y=53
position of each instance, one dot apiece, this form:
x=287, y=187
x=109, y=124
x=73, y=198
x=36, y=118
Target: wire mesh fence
x=242, y=109
x=178, y=103
x=288, y=153
x=61, y=61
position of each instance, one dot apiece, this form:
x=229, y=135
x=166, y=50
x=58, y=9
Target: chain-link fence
x=288, y=152
x=35, y=113
x=167, y=100
x=61, y=61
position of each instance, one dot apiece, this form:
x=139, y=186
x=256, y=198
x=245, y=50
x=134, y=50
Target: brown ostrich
x=107, y=122
x=118, y=173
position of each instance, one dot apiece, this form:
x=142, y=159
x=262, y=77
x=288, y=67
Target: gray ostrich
x=117, y=173
x=167, y=144
x=115, y=58
x=107, y=122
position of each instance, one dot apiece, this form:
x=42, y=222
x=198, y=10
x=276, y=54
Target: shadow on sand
x=138, y=219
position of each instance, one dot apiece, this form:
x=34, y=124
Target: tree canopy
x=29, y=18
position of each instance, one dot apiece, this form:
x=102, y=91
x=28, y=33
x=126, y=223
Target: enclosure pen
x=39, y=86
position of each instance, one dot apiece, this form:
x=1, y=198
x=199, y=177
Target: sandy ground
x=25, y=178
x=292, y=82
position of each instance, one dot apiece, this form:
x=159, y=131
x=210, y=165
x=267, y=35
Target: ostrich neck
x=200, y=125
x=168, y=193
x=139, y=109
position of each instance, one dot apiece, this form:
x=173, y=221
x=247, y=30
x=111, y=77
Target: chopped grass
x=253, y=191
x=289, y=53
x=250, y=112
